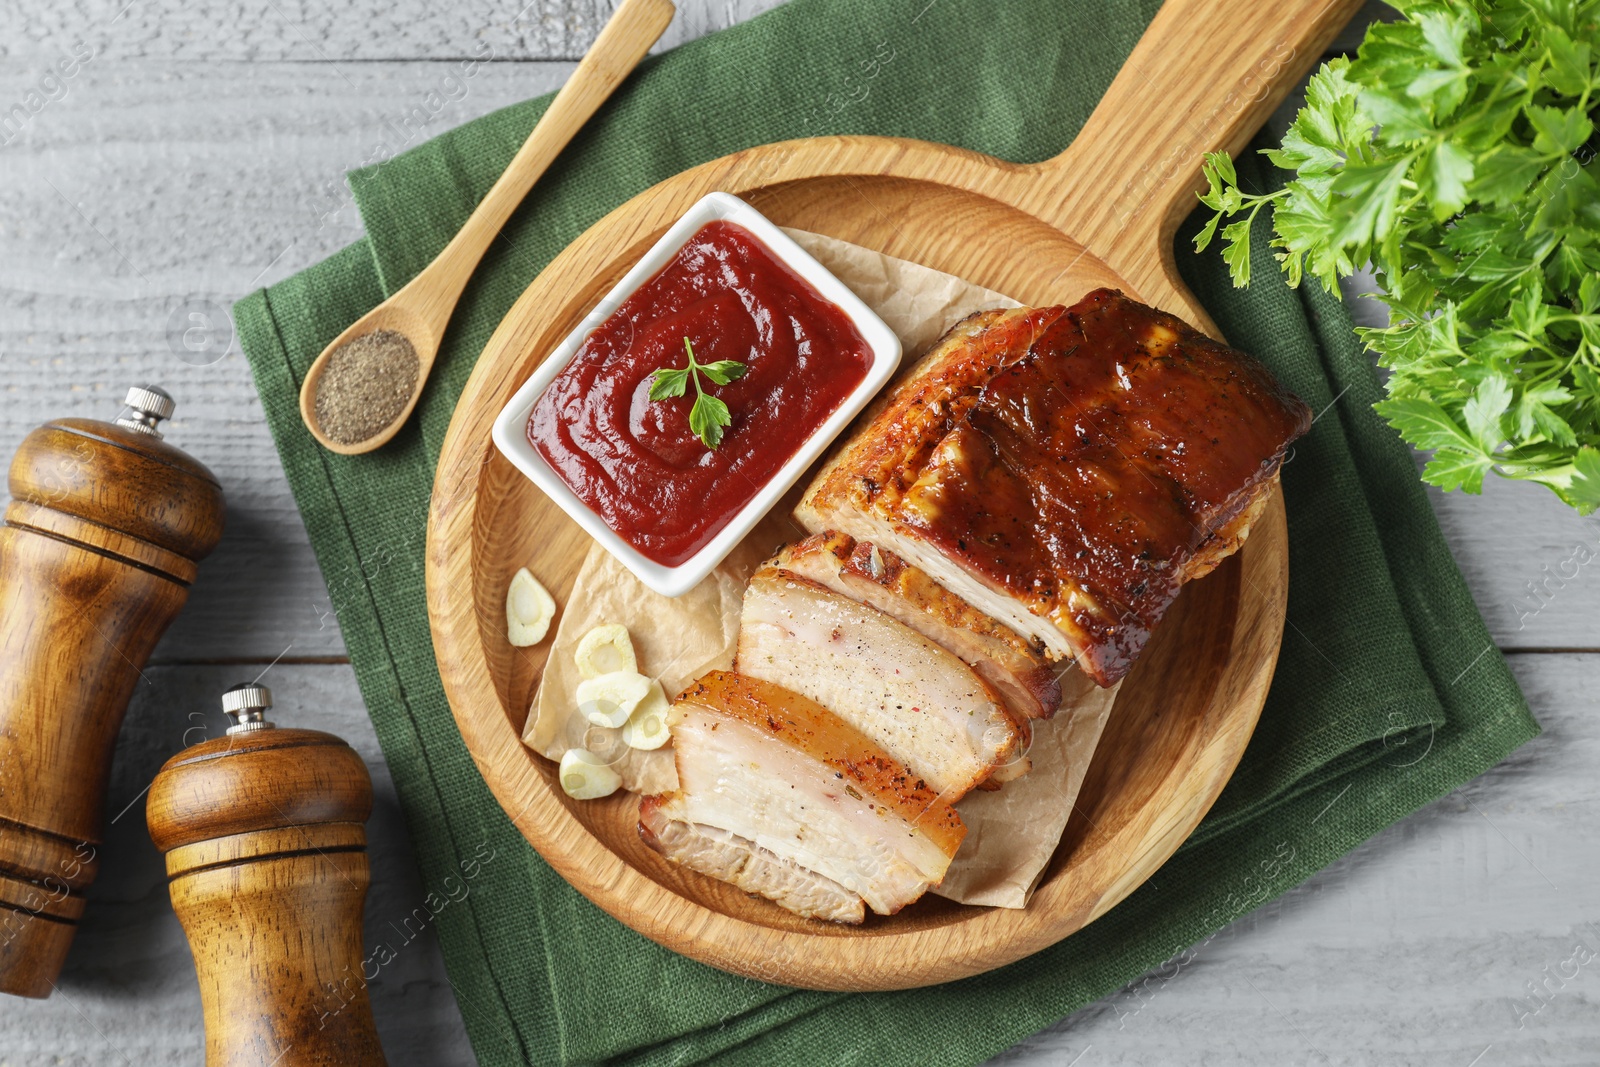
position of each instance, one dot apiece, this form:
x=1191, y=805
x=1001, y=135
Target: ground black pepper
x=365, y=386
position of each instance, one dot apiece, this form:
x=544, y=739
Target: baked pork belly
x=1066, y=470
x=1017, y=669
x=922, y=704
x=739, y=861
x=782, y=798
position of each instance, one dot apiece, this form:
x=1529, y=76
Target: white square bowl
x=510, y=428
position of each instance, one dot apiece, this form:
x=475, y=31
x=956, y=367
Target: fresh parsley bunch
x=1454, y=154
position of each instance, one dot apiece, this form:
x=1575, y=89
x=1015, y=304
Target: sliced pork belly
x=922, y=704
x=1028, y=683
x=780, y=797
x=664, y=824
x=1066, y=470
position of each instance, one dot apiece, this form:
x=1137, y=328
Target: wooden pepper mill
x=264, y=833
x=100, y=542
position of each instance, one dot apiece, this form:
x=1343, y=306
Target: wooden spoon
x=421, y=310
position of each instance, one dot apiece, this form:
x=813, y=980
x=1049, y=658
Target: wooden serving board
x=1102, y=213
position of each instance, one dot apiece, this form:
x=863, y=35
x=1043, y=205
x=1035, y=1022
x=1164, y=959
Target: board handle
x=1203, y=78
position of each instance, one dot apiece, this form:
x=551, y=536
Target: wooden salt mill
x=100, y=542
x=264, y=832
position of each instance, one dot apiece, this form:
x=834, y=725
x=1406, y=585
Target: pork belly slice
x=923, y=705
x=782, y=798
x=1028, y=683
x=1066, y=470
x=664, y=825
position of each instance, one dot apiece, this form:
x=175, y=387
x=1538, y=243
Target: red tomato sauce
x=635, y=461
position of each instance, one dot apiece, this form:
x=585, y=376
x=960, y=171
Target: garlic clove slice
x=585, y=777
x=529, y=609
x=609, y=699
x=605, y=649
x=646, y=728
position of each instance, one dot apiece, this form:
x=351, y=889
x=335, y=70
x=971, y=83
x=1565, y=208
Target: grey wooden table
x=197, y=152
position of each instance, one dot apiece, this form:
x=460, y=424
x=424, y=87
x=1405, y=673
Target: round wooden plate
x=1102, y=213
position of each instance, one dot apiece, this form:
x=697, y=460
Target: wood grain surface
x=1042, y=234
x=98, y=549
x=266, y=855
x=209, y=139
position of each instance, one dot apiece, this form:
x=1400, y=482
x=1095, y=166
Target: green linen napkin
x=1388, y=694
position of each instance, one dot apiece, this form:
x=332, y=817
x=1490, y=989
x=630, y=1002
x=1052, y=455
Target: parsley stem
x=694, y=368
x=709, y=414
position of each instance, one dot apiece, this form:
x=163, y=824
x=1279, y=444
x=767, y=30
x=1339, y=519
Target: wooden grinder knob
x=265, y=840
x=102, y=537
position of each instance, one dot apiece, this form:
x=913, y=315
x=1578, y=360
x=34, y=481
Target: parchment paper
x=1012, y=832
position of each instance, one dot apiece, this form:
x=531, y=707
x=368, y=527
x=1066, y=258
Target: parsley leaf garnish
x=709, y=414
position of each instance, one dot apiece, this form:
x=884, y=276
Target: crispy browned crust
x=1227, y=539
x=897, y=432
x=1067, y=470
